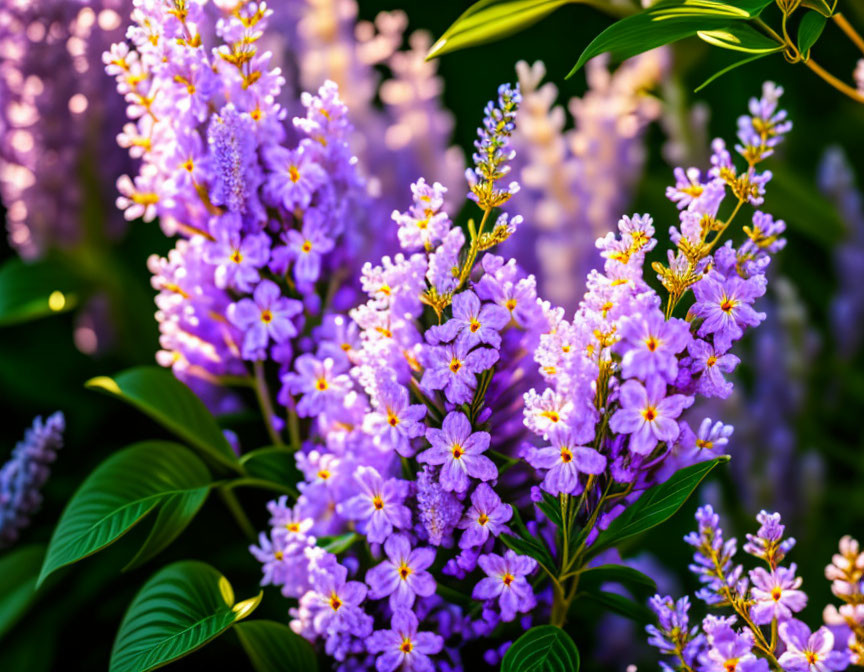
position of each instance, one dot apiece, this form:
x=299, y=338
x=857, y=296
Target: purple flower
x=305, y=248
x=403, y=575
x=335, y=601
x=712, y=366
x=402, y=647
x=776, y=594
x=649, y=345
x=294, y=175
x=647, y=414
x=266, y=315
x=321, y=383
x=453, y=368
x=237, y=259
x=379, y=505
x=768, y=543
x=810, y=653
x=725, y=304
x=438, y=510
x=505, y=579
x=486, y=515
x=395, y=421
x=565, y=461
x=713, y=436
x=471, y=324
x=459, y=452
x=731, y=650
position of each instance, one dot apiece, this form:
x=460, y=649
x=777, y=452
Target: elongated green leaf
x=118, y=494
x=31, y=290
x=738, y=62
x=273, y=647
x=156, y=392
x=543, y=648
x=622, y=606
x=551, y=508
x=809, y=30
x=273, y=463
x=740, y=37
x=19, y=569
x=666, y=22
x=632, y=579
x=340, y=543
x=175, y=514
x=526, y=543
x=490, y=20
x=655, y=506
x=178, y=610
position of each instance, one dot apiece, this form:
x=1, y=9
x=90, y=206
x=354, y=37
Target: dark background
x=73, y=624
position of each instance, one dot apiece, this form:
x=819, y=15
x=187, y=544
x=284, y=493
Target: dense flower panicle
x=846, y=573
x=53, y=96
x=24, y=474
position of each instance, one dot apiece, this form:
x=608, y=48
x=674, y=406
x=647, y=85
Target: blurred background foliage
x=42, y=370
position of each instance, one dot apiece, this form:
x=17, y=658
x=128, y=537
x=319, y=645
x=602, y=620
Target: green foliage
x=120, y=493
x=544, y=648
x=31, y=290
x=339, y=543
x=274, y=463
x=655, y=506
x=178, y=610
x=526, y=543
x=490, y=20
x=273, y=647
x=666, y=22
x=19, y=569
x=740, y=37
x=736, y=63
x=156, y=392
x=622, y=606
x=809, y=30
x=632, y=579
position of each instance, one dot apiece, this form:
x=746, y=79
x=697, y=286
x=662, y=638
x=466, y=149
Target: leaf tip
x=436, y=49
x=105, y=383
x=227, y=591
x=246, y=607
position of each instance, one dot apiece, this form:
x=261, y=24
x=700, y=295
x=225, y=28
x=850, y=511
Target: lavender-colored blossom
x=403, y=647
x=710, y=366
x=379, y=507
x=320, y=382
x=725, y=305
x=565, y=460
x=396, y=421
x=768, y=543
x=471, y=324
x=807, y=652
x=486, y=515
x=439, y=511
x=776, y=594
x=647, y=414
x=24, y=474
x=237, y=258
x=335, y=603
x=650, y=345
x=267, y=315
x=306, y=248
x=453, y=368
x=403, y=576
x=732, y=650
x=506, y=580
x=459, y=452
x=294, y=175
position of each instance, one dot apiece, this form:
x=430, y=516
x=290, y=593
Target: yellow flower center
x=405, y=571
x=457, y=451
x=323, y=474
x=406, y=645
x=711, y=361
x=293, y=527
x=236, y=257
x=293, y=174
x=474, y=325
x=278, y=555
x=377, y=502
x=551, y=416
x=266, y=316
x=510, y=304
x=335, y=602
x=566, y=455
x=649, y=413
x=651, y=343
x=306, y=247
x=321, y=384
x=455, y=365
x=776, y=593
x=731, y=665
x=702, y=443
x=812, y=657
x=189, y=165
x=392, y=418
x=507, y=579
x=483, y=519
x=727, y=304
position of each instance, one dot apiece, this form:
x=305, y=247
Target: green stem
x=236, y=510
x=263, y=394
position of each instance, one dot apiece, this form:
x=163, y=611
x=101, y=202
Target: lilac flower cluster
x=412, y=408
x=52, y=101
x=24, y=474
x=765, y=597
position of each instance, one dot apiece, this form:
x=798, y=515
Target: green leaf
x=273, y=463
x=730, y=67
x=156, y=392
x=551, y=508
x=174, y=516
x=543, y=648
x=338, y=544
x=622, y=606
x=740, y=37
x=19, y=569
x=526, y=543
x=490, y=20
x=31, y=290
x=634, y=580
x=809, y=30
x=666, y=22
x=656, y=505
x=273, y=647
x=178, y=610
x=118, y=494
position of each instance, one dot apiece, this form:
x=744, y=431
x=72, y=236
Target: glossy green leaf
x=526, y=543
x=156, y=392
x=273, y=647
x=632, y=579
x=339, y=543
x=273, y=463
x=178, y=610
x=118, y=494
x=622, y=606
x=31, y=290
x=809, y=30
x=666, y=22
x=19, y=569
x=738, y=62
x=551, y=508
x=544, y=648
x=174, y=516
x=490, y=20
x=655, y=506
x=740, y=37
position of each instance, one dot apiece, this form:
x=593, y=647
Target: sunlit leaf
x=730, y=67
x=809, y=30
x=274, y=647
x=740, y=37
x=178, y=610
x=32, y=290
x=544, y=648
x=156, y=392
